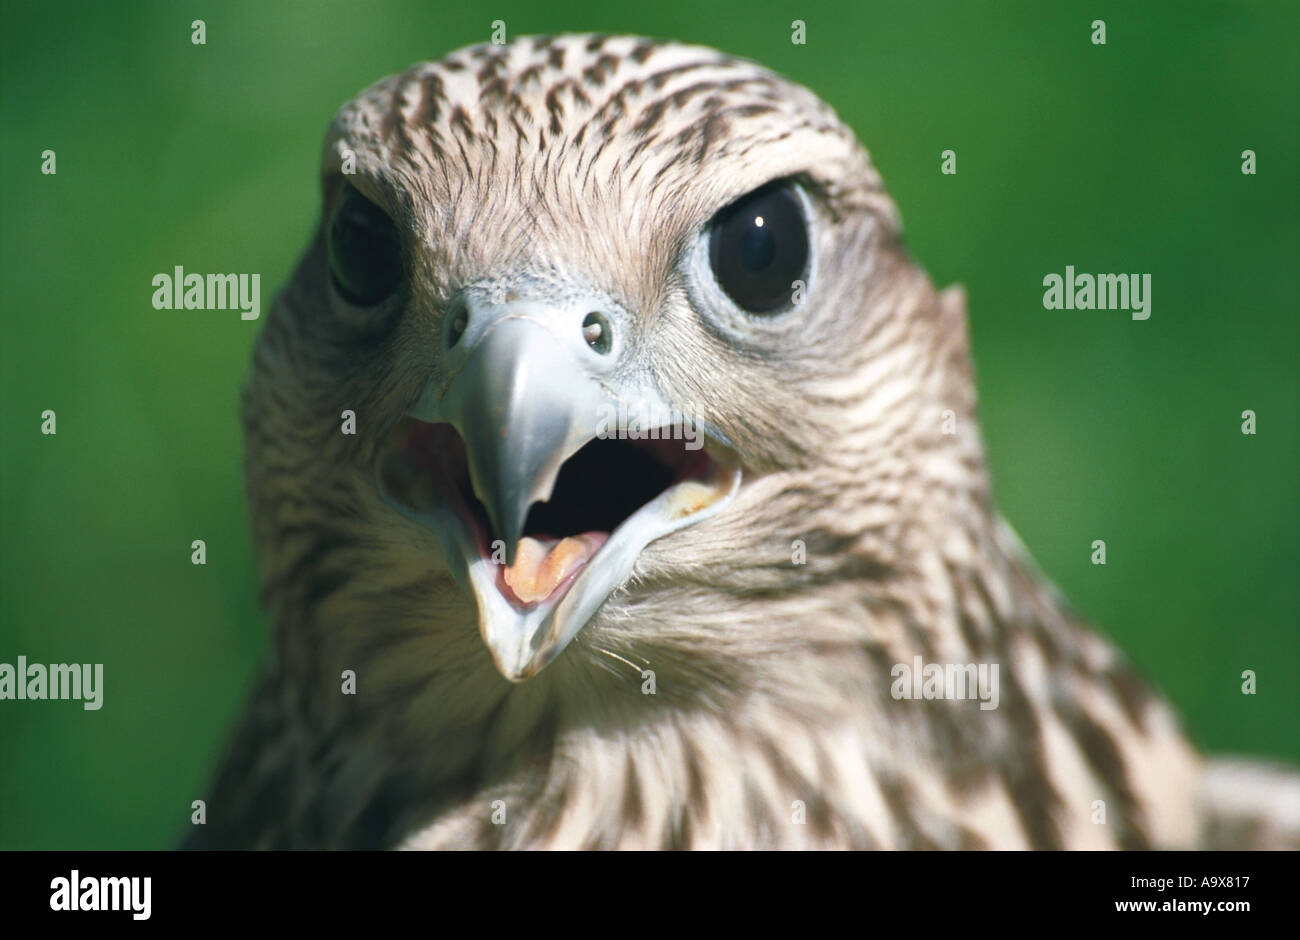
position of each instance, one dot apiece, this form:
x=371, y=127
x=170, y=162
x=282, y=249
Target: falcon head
x=607, y=366
x=628, y=340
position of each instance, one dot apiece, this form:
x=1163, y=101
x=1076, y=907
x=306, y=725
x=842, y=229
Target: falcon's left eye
x=365, y=254
x=758, y=247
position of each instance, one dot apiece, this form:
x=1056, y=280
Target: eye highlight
x=758, y=246
x=365, y=254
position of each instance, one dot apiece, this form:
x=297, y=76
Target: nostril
x=457, y=320
x=596, y=331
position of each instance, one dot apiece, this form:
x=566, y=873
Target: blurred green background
x=1118, y=158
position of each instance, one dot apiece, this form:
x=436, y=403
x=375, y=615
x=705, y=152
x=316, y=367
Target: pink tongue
x=540, y=568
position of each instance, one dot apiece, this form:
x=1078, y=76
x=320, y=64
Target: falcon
x=609, y=459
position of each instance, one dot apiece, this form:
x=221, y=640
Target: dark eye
x=758, y=247
x=364, y=252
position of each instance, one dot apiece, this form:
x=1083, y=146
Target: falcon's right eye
x=365, y=254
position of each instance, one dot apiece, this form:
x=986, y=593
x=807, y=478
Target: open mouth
x=545, y=458
x=647, y=486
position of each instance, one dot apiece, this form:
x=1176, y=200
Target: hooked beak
x=530, y=394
